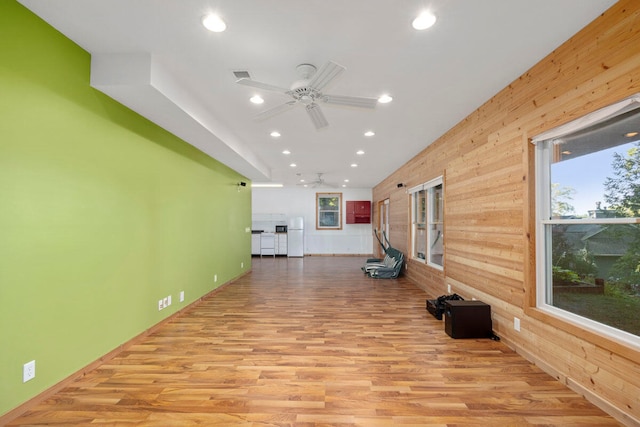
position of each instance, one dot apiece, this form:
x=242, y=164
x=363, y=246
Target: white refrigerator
x=295, y=237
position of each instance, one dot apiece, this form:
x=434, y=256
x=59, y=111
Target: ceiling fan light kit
x=318, y=182
x=308, y=92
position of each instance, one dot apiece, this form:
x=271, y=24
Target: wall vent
x=241, y=74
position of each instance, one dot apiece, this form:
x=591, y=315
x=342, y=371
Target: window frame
x=425, y=193
x=383, y=216
x=544, y=146
x=435, y=202
x=415, y=224
x=319, y=211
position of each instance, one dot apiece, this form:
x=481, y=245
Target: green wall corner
x=102, y=213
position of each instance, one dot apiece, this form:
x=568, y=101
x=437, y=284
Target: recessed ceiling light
x=346, y=180
x=275, y=134
x=256, y=99
x=630, y=134
x=354, y=165
x=286, y=152
x=302, y=180
x=369, y=133
x=385, y=99
x=359, y=152
x=213, y=22
x=344, y=185
x=293, y=165
x=424, y=20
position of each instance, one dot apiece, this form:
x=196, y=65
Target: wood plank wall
x=486, y=161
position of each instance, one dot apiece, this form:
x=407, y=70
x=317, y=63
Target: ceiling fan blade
x=324, y=184
x=323, y=77
x=351, y=101
x=317, y=117
x=275, y=110
x=260, y=85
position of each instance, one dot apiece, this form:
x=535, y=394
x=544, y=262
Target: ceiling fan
x=308, y=92
x=318, y=182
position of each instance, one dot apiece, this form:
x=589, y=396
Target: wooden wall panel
x=486, y=162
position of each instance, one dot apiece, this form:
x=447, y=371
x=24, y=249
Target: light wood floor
x=313, y=342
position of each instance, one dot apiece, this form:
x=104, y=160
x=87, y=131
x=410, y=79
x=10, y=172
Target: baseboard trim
x=26, y=406
x=598, y=401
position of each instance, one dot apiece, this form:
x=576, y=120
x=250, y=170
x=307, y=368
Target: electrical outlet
x=160, y=305
x=28, y=371
x=165, y=302
x=242, y=265
x=516, y=324
x=215, y=278
x=169, y=299
x=181, y=296
x=448, y=288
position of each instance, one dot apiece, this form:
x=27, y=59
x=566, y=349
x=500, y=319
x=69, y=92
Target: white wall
x=352, y=239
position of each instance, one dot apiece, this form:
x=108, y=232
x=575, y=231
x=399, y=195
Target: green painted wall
x=102, y=213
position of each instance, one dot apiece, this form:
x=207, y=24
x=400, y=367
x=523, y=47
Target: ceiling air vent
x=241, y=74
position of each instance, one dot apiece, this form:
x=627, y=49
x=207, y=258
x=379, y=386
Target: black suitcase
x=467, y=319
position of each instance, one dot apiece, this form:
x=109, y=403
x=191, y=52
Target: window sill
x=436, y=266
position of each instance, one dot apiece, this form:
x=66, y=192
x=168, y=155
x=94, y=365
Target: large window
x=427, y=225
x=329, y=211
x=588, y=216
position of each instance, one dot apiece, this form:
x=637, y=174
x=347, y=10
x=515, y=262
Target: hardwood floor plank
x=314, y=342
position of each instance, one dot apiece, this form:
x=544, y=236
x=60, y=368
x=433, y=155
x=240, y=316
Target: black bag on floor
x=436, y=306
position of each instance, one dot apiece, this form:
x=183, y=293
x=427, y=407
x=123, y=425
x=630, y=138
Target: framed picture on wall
x=329, y=211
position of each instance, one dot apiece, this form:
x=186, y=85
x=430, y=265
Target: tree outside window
x=589, y=257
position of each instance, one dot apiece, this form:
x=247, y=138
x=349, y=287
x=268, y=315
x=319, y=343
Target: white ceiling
x=155, y=57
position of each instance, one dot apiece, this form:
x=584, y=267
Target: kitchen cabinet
x=358, y=212
x=255, y=243
x=268, y=243
x=281, y=243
